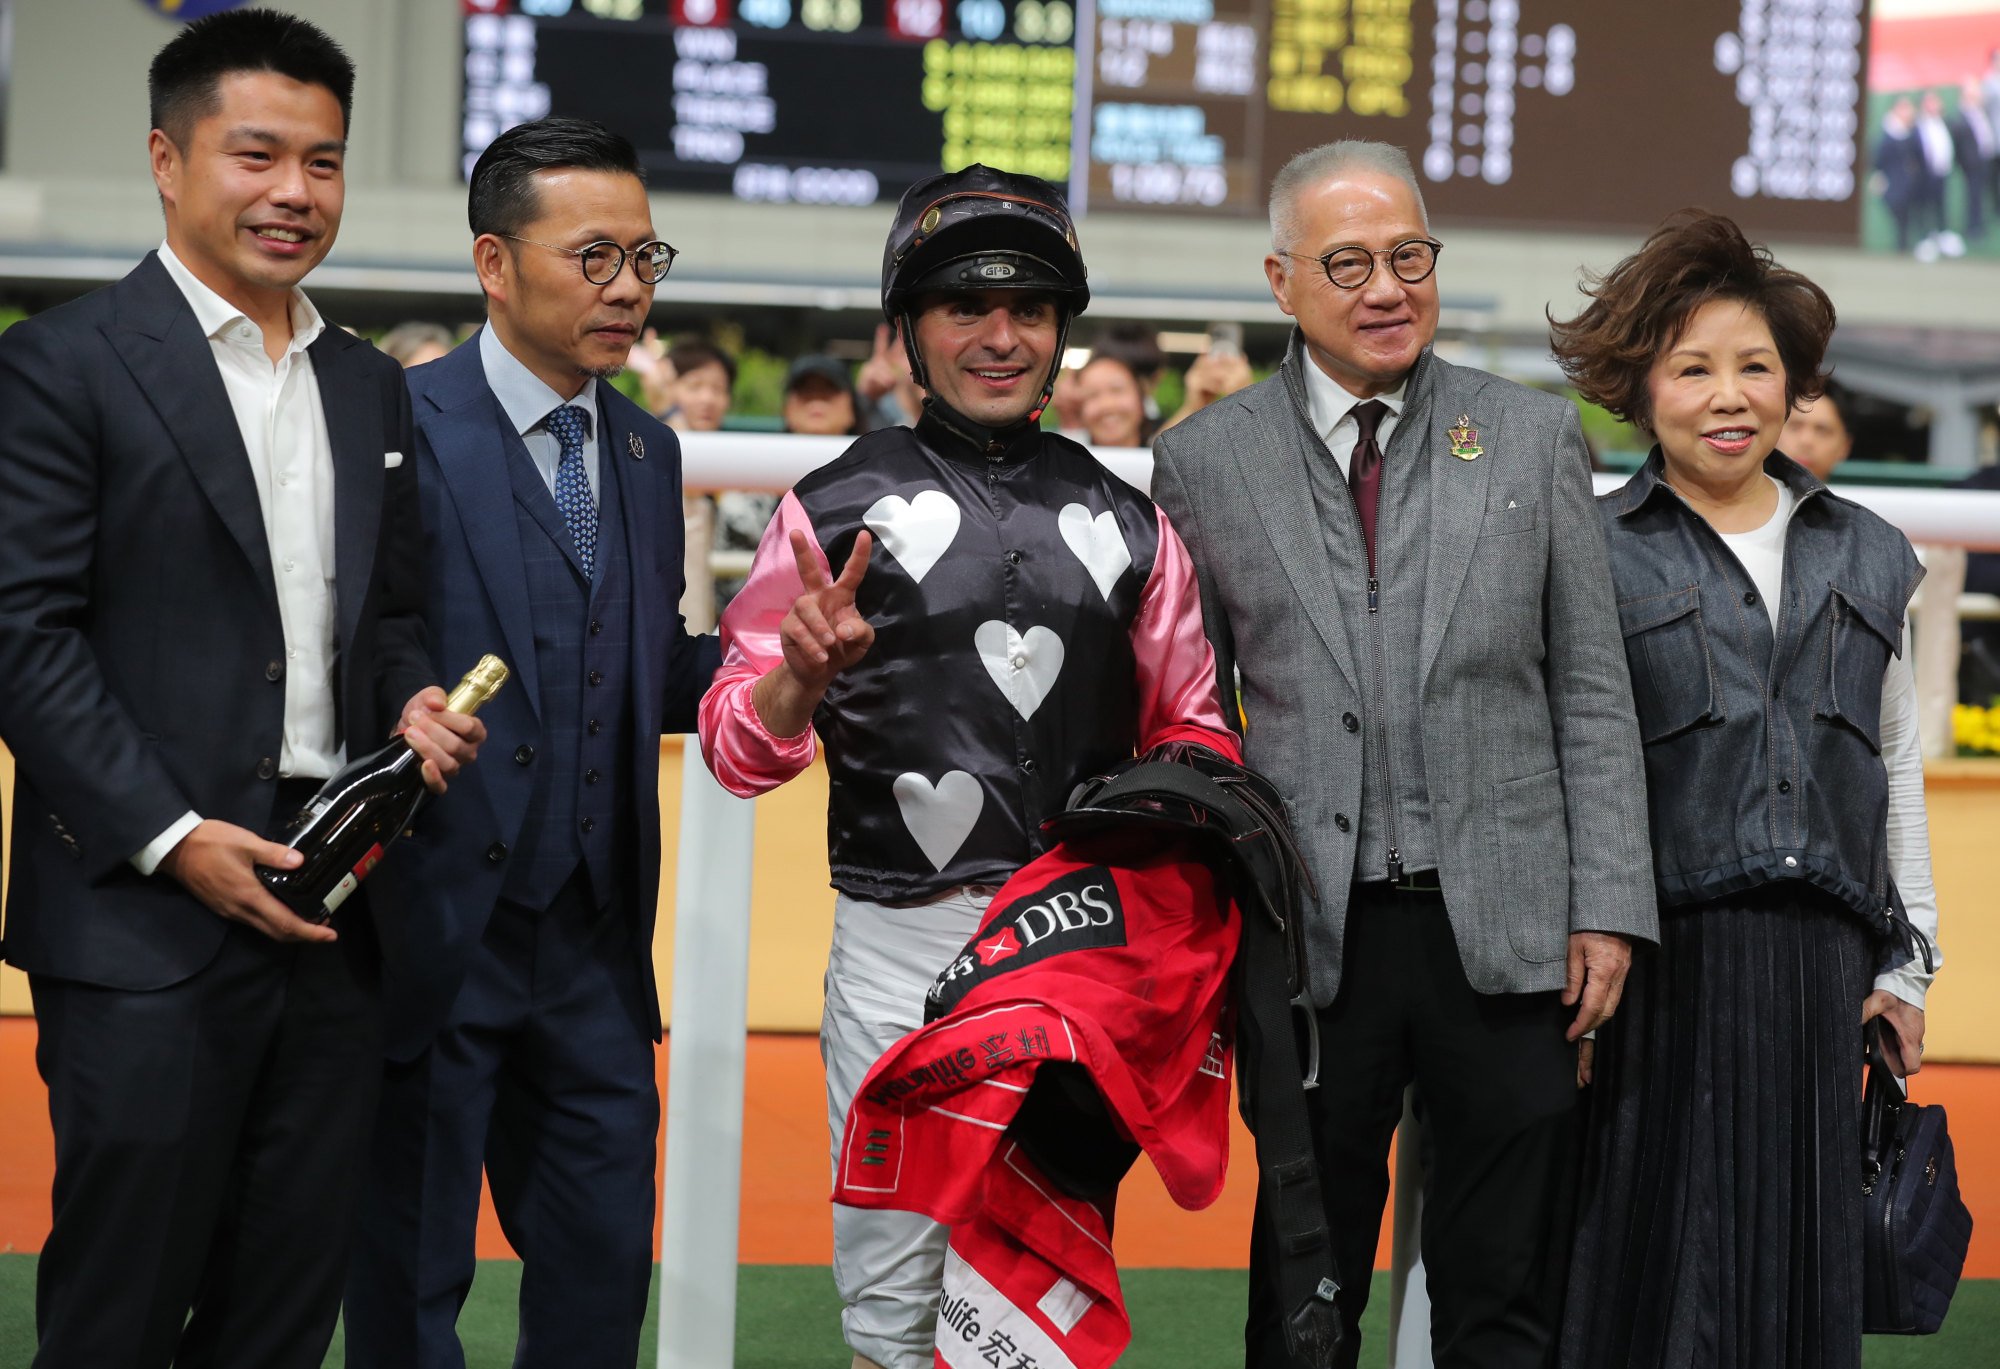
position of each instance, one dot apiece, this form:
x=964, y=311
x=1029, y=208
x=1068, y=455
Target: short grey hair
x=1317, y=165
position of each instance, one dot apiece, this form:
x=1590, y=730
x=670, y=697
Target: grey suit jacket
x=1531, y=752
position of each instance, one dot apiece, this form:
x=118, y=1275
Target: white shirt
x=1332, y=407
x=1938, y=153
x=278, y=414
x=1762, y=554
x=527, y=401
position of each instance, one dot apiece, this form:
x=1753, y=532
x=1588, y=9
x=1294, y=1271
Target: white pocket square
x=391, y=460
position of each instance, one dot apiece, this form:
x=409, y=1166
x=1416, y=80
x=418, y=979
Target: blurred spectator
x=1978, y=151
x=648, y=362
x=1979, y=656
x=1138, y=346
x=1935, y=139
x=1899, y=168
x=890, y=396
x=1112, y=401
x=701, y=382
x=1221, y=370
x=413, y=344
x=694, y=382
x=1817, y=435
x=1066, y=400
x=820, y=399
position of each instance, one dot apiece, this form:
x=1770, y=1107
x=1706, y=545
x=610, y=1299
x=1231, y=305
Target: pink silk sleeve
x=1178, y=699
x=741, y=752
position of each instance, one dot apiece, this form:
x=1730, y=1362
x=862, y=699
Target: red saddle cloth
x=1122, y=968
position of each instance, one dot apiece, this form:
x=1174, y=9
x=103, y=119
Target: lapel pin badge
x=1465, y=439
x=636, y=445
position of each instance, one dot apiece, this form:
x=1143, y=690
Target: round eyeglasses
x=1350, y=267
x=604, y=259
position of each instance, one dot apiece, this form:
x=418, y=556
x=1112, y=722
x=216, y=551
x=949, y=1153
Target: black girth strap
x=1239, y=816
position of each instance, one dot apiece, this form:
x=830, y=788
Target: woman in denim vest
x=1763, y=620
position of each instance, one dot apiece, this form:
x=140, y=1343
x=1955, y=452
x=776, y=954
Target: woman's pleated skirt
x=1720, y=1216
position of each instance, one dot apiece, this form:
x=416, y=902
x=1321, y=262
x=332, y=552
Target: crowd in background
x=1110, y=395
x=1927, y=140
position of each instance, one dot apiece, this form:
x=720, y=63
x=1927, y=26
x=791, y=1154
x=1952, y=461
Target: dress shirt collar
x=219, y=319
x=524, y=396
x=1330, y=401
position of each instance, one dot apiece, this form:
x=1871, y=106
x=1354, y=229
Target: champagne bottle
x=358, y=812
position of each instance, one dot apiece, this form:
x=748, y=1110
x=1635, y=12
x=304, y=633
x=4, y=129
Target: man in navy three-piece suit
x=523, y=1015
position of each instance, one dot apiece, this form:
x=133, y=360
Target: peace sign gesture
x=823, y=634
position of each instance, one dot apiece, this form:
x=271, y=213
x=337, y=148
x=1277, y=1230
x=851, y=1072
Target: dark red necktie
x=1364, y=472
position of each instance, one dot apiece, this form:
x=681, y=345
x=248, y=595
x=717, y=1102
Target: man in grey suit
x=1405, y=582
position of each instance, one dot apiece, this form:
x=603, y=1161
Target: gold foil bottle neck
x=481, y=683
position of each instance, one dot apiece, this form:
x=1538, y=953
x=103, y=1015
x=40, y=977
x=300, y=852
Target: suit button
x=591, y=777
x=267, y=769
x=588, y=824
x=1340, y=821
x=1750, y=598
x=523, y=754
x=596, y=677
x=496, y=853
x=275, y=671
x=595, y=627
x=1350, y=722
x=594, y=727
x=1028, y=766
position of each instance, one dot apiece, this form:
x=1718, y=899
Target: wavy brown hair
x=1640, y=307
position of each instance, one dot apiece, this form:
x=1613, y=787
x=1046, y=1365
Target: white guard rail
x=699, y=1200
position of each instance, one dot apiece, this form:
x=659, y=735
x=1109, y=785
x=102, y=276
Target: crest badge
x=636, y=445
x=1465, y=439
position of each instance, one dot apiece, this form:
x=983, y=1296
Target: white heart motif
x=1024, y=666
x=1097, y=543
x=939, y=816
x=915, y=531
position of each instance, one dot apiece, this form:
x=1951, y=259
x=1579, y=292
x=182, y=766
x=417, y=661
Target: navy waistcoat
x=580, y=808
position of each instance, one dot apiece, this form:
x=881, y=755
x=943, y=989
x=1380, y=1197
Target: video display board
x=1572, y=112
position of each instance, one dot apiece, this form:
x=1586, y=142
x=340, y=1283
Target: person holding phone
x=1220, y=371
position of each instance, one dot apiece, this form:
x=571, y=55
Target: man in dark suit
x=209, y=567
x=1406, y=584
x=1899, y=174
x=521, y=1037
x=1975, y=144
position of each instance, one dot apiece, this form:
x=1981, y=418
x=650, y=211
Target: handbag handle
x=1880, y=1102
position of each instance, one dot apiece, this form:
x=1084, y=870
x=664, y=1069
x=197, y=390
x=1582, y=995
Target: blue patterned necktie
x=573, y=483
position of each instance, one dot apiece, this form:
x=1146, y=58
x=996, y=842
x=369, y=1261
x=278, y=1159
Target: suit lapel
x=353, y=408
x=1280, y=486
x=634, y=479
x=164, y=348
x=1458, y=491
x=467, y=432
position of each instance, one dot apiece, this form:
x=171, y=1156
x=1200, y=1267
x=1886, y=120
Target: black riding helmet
x=982, y=229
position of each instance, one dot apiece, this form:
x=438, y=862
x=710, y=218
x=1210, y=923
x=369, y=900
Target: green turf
x=788, y=1318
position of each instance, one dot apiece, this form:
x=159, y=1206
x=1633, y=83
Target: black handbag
x=1915, y=1226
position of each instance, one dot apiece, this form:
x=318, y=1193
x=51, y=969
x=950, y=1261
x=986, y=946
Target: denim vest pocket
x=1861, y=637
x=1666, y=649
x=1530, y=887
